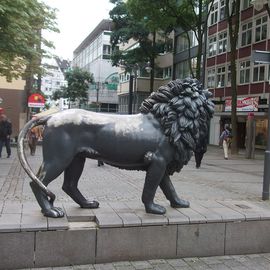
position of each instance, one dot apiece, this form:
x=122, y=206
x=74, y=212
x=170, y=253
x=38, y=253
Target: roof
x=104, y=25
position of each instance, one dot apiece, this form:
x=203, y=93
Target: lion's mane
x=184, y=110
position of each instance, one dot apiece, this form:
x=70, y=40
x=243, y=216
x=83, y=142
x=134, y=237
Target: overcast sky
x=76, y=19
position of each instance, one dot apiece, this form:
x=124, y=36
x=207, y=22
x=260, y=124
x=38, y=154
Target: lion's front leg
x=153, y=178
x=170, y=193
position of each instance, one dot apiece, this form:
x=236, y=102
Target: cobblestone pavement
x=242, y=262
x=217, y=179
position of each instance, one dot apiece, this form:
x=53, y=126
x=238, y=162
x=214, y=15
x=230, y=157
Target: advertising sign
x=244, y=104
x=36, y=101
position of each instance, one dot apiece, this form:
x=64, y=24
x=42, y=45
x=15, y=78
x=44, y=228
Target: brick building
x=252, y=80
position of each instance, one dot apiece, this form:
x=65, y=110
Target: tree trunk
x=233, y=18
x=152, y=65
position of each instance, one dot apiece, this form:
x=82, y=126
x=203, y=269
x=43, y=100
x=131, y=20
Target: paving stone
x=249, y=211
x=10, y=222
x=146, y=219
x=56, y=248
x=108, y=220
x=34, y=223
x=193, y=216
x=175, y=217
x=198, y=265
x=17, y=250
x=58, y=223
x=31, y=208
x=83, y=267
x=124, y=263
x=157, y=261
x=141, y=265
x=75, y=213
x=12, y=207
x=209, y=214
x=228, y=214
x=125, y=267
x=211, y=260
x=219, y=266
x=200, y=240
x=247, y=237
x=135, y=243
x=104, y=266
x=177, y=262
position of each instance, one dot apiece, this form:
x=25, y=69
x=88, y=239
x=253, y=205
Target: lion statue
x=172, y=124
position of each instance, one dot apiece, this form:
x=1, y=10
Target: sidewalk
x=217, y=179
x=227, y=216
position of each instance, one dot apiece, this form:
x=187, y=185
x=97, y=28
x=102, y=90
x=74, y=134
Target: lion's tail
x=21, y=154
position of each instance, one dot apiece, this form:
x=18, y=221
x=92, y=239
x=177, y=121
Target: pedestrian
x=5, y=133
x=225, y=140
x=34, y=135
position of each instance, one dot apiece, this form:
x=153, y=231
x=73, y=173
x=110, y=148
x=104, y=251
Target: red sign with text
x=244, y=104
x=36, y=101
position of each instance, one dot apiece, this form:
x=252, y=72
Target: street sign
x=260, y=57
x=36, y=101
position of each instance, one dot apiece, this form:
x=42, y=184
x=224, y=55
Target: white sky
x=76, y=19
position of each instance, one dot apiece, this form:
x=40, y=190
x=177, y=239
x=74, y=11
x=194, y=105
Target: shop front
x=245, y=106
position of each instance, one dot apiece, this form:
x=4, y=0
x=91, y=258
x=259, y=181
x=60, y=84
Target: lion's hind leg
x=46, y=174
x=71, y=177
x=170, y=193
x=153, y=177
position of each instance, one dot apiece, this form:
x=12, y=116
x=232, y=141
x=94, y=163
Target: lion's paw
x=90, y=204
x=54, y=212
x=153, y=208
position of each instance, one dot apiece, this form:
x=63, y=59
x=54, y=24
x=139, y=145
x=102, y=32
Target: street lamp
x=258, y=5
x=133, y=68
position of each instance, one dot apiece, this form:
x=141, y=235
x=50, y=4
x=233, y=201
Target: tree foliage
x=22, y=45
x=128, y=24
x=78, y=84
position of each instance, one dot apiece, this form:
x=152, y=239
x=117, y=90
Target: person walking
x=225, y=139
x=34, y=135
x=5, y=133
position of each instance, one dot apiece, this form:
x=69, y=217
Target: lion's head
x=184, y=110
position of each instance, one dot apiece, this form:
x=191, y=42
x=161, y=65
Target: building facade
x=252, y=80
x=141, y=82
x=13, y=102
x=93, y=55
x=54, y=79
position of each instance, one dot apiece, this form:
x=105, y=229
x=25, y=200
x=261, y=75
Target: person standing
x=34, y=135
x=5, y=133
x=225, y=139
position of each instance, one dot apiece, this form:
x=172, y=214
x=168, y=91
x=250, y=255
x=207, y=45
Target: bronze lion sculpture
x=172, y=124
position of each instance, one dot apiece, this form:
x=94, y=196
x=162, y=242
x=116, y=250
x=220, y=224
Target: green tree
x=129, y=26
x=166, y=15
x=22, y=46
x=78, y=84
x=232, y=10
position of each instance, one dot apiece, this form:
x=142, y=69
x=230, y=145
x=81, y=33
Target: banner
x=36, y=101
x=244, y=104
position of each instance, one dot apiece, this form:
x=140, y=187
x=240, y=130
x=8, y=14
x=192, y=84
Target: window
x=222, y=10
x=245, y=4
x=182, y=43
x=261, y=29
x=244, y=67
x=211, y=74
x=106, y=49
x=214, y=14
x=246, y=35
x=229, y=76
x=222, y=42
x=221, y=76
x=212, y=47
x=167, y=72
x=182, y=70
x=258, y=73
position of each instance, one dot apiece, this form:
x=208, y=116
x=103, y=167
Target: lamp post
x=258, y=5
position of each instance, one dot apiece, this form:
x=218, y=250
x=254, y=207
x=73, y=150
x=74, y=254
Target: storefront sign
x=244, y=104
x=36, y=101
